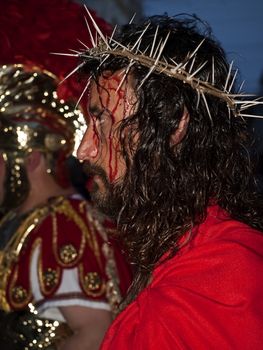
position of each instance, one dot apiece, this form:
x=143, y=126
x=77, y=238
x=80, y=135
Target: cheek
x=95, y=140
x=115, y=161
x=112, y=159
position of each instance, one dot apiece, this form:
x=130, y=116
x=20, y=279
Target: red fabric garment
x=30, y=30
x=209, y=296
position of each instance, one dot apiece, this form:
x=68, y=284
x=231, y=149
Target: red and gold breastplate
x=69, y=234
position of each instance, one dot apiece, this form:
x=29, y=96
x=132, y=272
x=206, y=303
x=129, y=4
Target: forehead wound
x=110, y=85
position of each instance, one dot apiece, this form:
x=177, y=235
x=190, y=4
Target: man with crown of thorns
x=167, y=142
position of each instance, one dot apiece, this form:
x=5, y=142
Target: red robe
x=209, y=296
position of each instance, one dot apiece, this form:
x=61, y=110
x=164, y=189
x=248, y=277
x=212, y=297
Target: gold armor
x=86, y=247
x=33, y=117
x=67, y=232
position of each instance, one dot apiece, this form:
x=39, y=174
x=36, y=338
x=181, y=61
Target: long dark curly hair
x=167, y=188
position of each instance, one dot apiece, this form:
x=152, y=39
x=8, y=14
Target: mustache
x=93, y=169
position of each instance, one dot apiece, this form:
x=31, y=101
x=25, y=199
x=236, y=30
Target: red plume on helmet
x=30, y=30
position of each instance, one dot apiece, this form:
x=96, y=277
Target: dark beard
x=107, y=201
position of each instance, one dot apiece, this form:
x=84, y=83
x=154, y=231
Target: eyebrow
x=94, y=110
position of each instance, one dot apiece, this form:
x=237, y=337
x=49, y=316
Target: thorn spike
x=206, y=105
x=192, y=65
x=113, y=32
x=157, y=48
x=162, y=48
x=197, y=70
x=97, y=27
x=213, y=70
x=154, y=41
x=90, y=33
x=65, y=54
x=233, y=80
x=83, y=92
x=72, y=72
x=75, y=51
x=198, y=99
x=228, y=75
x=140, y=37
x=197, y=48
x=250, y=115
x=147, y=76
x=122, y=80
x=132, y=19
x=241, y=86
x=82, y=43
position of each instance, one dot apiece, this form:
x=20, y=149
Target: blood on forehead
x=111, y=82
x=110, y=95
x=113, y=90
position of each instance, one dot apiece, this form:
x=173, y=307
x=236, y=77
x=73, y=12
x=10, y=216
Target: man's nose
x=88, y=148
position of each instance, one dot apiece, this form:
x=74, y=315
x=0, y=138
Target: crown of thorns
x=104, y=47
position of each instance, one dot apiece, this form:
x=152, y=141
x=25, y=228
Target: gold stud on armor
x=50, y=278
x=68, y=253
x=92, y=281
x=19, y=294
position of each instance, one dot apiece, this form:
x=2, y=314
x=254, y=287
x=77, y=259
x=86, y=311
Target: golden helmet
x=33, y=117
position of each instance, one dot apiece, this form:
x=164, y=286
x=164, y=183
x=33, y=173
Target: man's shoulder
x=218, y=247
x=220, y=226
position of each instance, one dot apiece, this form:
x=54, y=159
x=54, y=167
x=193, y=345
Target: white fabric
x=69, y=292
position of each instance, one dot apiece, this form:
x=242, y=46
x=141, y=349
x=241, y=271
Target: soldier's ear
x=33, y=160
x=180, y=132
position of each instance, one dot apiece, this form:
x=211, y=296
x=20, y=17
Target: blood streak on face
x=108, y=105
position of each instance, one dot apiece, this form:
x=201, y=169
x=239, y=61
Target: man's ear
x=33, y=160
x=180, y=132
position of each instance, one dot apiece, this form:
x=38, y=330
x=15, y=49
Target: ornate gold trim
x=66, y=208
x=18, y=296
x=113, y=293
x=94, y=289
x=11, y=252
